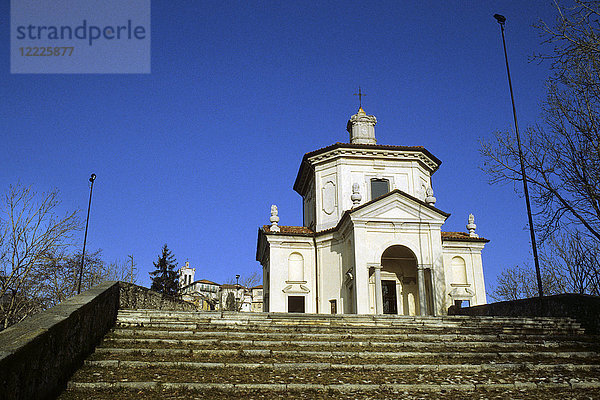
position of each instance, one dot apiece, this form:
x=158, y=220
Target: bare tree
x=124, y=271
x=575, y=262
x=562, y=153
x=561, y=156
x=520, y=282
x=247, y=281
x=31, y=233
x=61, y=273
x=37, y=266
x=59, y=276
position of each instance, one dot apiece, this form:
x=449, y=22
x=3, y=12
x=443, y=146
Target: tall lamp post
x=501, y=20
x=92, y=178
x=237, y=292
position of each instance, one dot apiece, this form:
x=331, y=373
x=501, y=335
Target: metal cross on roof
x=360, y=95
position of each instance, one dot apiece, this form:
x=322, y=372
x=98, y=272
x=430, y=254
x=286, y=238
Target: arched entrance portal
x=399, y=285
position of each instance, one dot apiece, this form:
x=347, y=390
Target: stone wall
x=138, y=298
x=39, y=354
x=584, y=308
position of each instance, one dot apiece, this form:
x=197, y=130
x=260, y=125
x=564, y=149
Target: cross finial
x=360, y=95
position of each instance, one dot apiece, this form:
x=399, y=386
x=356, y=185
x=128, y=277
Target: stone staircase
x=181, y=355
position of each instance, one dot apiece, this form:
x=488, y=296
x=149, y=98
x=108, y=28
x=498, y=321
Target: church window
x=379, y=187
x=296, y=267
x=459, y=270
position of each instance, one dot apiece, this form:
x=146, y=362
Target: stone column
x=378, y=290
x=421, y=283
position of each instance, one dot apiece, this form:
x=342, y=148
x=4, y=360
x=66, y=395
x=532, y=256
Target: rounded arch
x=383, y=247
x=459, y=270
x=396, y=281
x=295, y=267
x=398, y=251
x=400, y=261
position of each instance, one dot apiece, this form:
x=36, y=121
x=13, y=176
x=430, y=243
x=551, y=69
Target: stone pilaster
x=378, y=290
x=421, y=283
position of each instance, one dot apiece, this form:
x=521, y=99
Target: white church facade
x=372, y=239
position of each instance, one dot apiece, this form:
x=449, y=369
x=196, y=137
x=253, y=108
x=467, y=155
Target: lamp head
x=500, y=18
x=92, y=177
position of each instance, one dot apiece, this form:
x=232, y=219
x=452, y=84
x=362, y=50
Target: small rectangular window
x=379, y=187
x=462, y=303
x=296, y=304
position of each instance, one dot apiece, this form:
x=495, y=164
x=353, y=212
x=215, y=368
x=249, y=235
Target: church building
x=372, y=239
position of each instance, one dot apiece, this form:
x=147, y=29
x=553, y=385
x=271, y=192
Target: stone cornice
x=352, y=150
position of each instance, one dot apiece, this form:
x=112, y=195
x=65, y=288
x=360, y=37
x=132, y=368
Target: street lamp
x=501, y=20
x=92, y=178
x=237, y=292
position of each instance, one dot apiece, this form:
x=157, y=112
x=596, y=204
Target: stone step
x=347, y=320
x=335, y=319
x=382, y=356
x=177, y=355
x=327, y=317
x=400, y=321
x=342, y=335
x=191, y=390
x=500, y=367
x=533, y=330
x=183, y=373
x=221, y=343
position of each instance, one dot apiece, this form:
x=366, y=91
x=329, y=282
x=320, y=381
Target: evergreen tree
x=164, y=278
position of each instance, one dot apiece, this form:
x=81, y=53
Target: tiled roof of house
x=207, y=281
x=232, y=286
x=292, y=230
x=462, y=237
x=257, y=287
x=304, y=231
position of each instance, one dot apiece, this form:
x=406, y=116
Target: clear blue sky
x=194, y=154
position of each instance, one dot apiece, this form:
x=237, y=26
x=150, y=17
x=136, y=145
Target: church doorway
x=400, y=291
x=390, y=301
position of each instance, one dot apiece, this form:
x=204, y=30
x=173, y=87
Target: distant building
x=257, y=299
x=209, y=296
x=235, y=298
x=203, y=293
x=186, y=275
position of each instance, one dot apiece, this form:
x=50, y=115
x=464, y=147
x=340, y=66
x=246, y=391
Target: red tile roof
x=257, y=287
x=304, y=231
x=232, y=286
x=206, y=281
x=462, y=237
x=293, y=230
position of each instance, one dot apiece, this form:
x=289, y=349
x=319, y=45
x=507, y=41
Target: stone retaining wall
x=135, y=297
x=584, y=308
x=39, y=354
